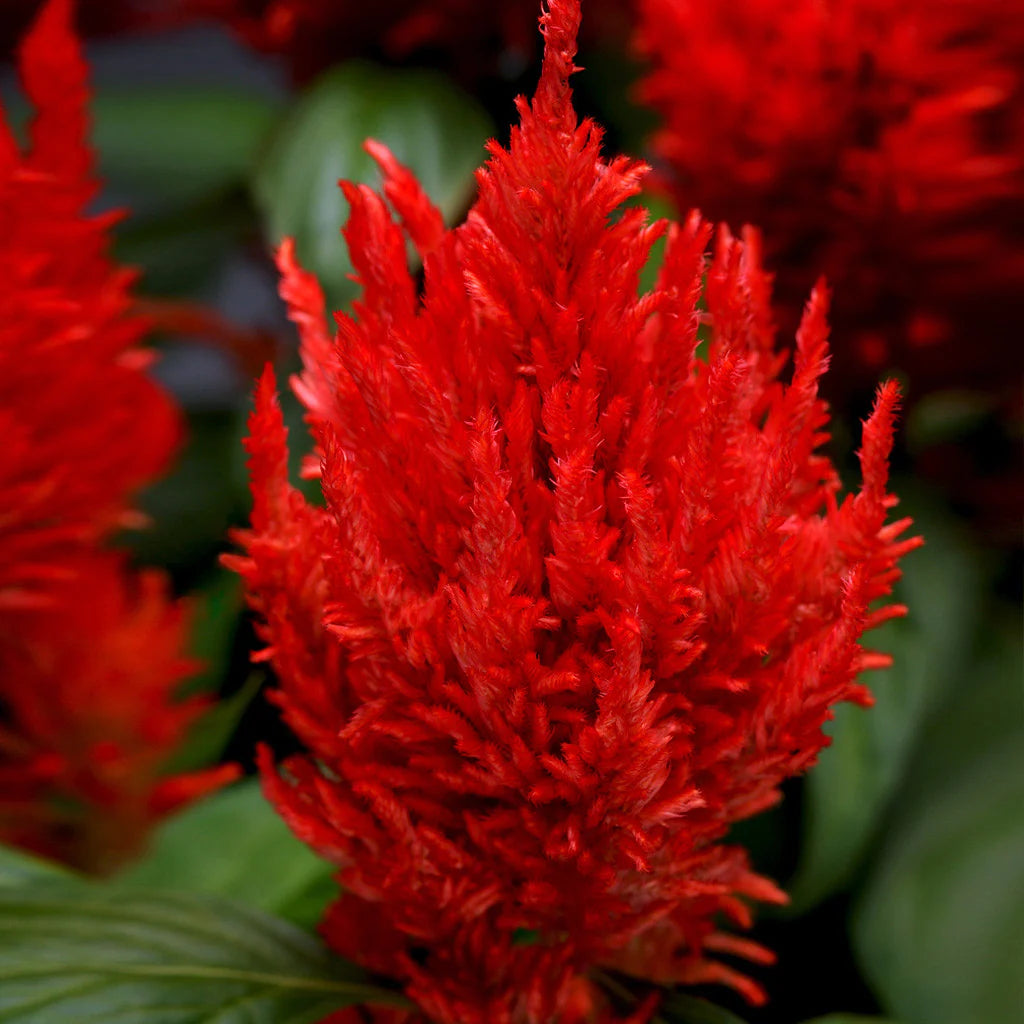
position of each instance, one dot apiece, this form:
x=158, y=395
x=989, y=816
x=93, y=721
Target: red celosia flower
x=89, y=660
x=84, y=427
x=86, y=683
x=577, y=600
x=880, y=142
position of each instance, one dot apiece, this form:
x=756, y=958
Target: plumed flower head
x=577, y=599
x=91, y=720
x=83, y=425
x=90, y=652
x=880, y=142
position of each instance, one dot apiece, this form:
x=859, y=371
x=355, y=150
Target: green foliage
x=212, y=732
x=851, y=787
x=166, y=147
x=74, y=953
x=430, y=126
x=77, y=952
x=18, y=869
x=939, y=929
x=179, y=158
x=233, y=844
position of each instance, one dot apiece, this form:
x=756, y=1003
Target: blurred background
x=219, y=128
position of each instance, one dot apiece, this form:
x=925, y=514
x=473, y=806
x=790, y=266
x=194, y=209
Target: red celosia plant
x=880, y=142
x=89, y=652
x=577, y=600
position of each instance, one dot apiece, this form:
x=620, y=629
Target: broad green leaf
x=18, y=869
x=940, y=925
x=431, y=126
x=85, y=954
x=974, y=717
x=234, y=844
x=850, y=788
x=165, y=147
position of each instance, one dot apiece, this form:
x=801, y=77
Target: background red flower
x=90, y=651
x=879, y=142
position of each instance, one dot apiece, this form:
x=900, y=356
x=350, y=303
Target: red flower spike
x=91, y=723
x=878, y=142
x=83, y=427
x=90, y=657
x=576, y=601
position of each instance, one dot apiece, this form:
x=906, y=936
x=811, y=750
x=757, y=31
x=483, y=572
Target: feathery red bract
x=89, y=652
x=879, y=142
x=577, y=600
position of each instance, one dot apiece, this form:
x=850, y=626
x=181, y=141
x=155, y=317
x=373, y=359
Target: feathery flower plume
x=577, y=600
x=880, y=142
x=89, y=652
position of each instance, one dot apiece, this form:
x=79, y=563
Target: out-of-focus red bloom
x=89, y=652
x=577, y=600
x=880, y=142
x=84, y=427
x=317, y=33
x=86, y=684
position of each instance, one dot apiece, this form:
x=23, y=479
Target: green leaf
x=678, y=1008
x=83, y=954
x=940, y=926
x=234, y=844
x=208, y=736
x=973, y=717
x=165, y=147
x=18, y=868
x=852, y=785
x=431, y=126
